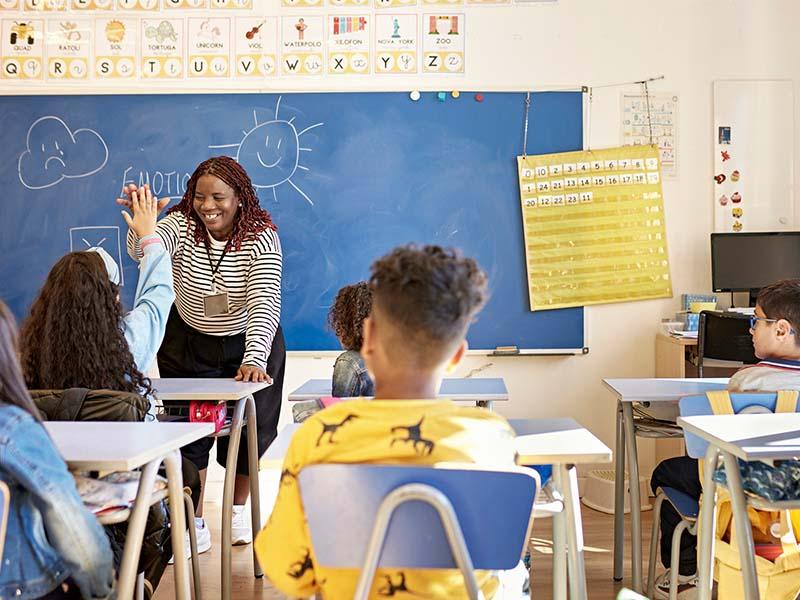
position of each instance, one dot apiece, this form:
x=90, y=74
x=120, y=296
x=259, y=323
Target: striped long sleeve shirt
x=251, y=276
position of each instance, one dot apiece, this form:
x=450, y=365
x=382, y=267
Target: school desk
x=764, y=437
x=240, y=396
x=628, y=392
x=483, y=391
x=122, y=446
x=562, y=443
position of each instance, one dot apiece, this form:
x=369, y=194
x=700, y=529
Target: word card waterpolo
x=594, y=227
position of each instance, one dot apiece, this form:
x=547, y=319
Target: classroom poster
x=236, y=4
x=394, y=3
x=594, y=227
x=185, y=4
x=162, y=43
x=69, y=43
x=302, y=40
x=301, y=3
x=83, y=5
x=138, y=4
x=45, y=5
x=256, y=46
x=9, y=4
x=443, y=43
x=348, y=44
x=395, y=43
x=662, y=121
x=209, y=48
x=115, y=47
x=22, y=49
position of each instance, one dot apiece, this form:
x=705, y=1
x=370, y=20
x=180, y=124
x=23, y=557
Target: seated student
x=423, y=302
x=775, y=328
x=77, y=336
x=350, y=376
x=54, y=547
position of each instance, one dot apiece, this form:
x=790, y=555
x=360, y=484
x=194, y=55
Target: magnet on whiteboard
x=441, y=96
x=723, y=200
x=455, y=93
x=719, y=178
x=414, y=95
x=478, y=97
x=737, y=226
x=735, y=176
x=725, y=155
x=736, y=197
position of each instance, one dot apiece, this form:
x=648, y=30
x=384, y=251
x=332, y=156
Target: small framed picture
x=724, y=135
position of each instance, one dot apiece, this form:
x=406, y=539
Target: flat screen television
x=746, y=262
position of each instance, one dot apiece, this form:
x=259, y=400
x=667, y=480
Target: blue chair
x=418, y=518
x=688, y=508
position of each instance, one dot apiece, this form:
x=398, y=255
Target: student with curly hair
x=226, y=262
x=54, y=547
x=424, y=299
x=350, y=377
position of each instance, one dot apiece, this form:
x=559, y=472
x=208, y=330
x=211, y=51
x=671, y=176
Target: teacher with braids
x=226, y=264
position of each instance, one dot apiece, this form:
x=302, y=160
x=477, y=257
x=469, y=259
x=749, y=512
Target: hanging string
x=525, y=135
x=649, y=116
x=589, y=120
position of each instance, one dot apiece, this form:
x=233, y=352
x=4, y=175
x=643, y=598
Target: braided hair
x=250, y=219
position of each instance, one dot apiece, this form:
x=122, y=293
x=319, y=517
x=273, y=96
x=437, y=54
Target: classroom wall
x=569, y=43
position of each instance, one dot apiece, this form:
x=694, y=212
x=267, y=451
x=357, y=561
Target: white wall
x=595, y=42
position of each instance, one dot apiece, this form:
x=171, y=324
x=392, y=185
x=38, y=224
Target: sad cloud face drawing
x=270, y=152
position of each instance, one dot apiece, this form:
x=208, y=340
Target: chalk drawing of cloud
x=55, y=153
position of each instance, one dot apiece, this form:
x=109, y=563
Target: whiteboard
x=759, y=116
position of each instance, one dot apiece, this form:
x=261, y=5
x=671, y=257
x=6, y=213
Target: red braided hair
x=250, y=219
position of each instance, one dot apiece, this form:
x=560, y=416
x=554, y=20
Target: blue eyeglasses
x=754, y=320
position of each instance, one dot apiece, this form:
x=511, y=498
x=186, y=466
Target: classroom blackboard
x=346, y=176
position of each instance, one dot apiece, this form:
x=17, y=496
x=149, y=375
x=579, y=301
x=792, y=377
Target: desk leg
x=707, y=525
x=227, y=495
x=559, y=542
x=633, y=490
x=136, y=525
x=744, y=533
x=619, y=496
x=255, y=493
x=177, y=515
x=577, y=570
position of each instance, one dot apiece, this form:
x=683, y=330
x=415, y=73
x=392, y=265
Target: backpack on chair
x=778, y=579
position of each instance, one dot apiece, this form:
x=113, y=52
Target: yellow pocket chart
x=594, y=227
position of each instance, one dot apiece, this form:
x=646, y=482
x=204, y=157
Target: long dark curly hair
x=250, y=219
x=74, y=334
x=352, y=305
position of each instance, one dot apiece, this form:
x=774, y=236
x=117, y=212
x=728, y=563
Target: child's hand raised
x=145, y=211
x=130, y=188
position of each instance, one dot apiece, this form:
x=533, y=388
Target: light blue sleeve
x=145, y=324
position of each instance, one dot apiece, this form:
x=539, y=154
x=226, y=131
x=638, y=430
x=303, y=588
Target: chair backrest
x=724, y=336
x=692, y=406
x=493, y=508
x=5, y=503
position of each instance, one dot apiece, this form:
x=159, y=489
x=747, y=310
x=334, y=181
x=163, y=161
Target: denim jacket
x=50, y=535
x=350, y=377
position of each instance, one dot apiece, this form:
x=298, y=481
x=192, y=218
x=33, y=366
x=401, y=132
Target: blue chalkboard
x=353, y=176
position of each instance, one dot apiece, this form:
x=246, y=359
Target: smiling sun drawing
x=270, y=152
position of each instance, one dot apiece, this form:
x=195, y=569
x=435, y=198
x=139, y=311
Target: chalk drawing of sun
x=270, y=152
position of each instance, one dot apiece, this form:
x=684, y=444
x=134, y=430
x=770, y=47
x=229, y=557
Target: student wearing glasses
x=774, y=328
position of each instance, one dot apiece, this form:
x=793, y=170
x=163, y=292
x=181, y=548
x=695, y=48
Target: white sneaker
x=203, y=539
x=687, y=586
x=241, y=531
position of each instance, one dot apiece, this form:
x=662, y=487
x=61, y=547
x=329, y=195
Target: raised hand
x=145, y=211
x=127, y=190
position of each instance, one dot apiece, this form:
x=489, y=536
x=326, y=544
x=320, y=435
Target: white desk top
x=539, y=441
x=466, y=389
x=120, y=446
x=557, y=441
x=749, y=437
x=204, y=389
x=662, y=390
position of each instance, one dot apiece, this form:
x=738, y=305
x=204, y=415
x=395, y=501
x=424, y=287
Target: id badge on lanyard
x=216, y=302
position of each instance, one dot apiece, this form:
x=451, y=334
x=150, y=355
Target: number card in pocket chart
x=594, y=227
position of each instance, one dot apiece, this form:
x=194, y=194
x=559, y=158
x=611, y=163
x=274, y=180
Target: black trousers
x=187, y=352
x=680, y=473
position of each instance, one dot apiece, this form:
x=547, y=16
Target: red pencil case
x=208, y=412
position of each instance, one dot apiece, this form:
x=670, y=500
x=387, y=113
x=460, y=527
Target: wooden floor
x=598, y=532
